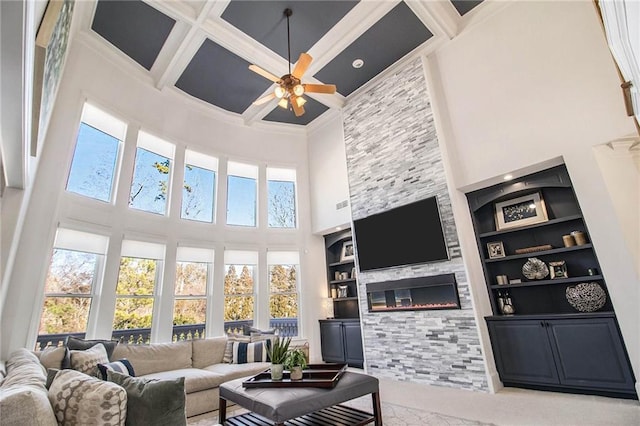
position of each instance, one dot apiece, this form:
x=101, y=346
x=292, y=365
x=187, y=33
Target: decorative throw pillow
x=152, y=401
x=249, y=330
x=249, y=352
x=122, y=366
x=228, y=351
x=79, y=399
x=76, y=344
x=87, y=361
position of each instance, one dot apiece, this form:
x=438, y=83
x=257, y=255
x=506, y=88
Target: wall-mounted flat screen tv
x=405, y=235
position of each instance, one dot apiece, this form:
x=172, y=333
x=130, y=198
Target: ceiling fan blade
x=298, y=110
x=301, y=66
x=264, y=99
x=264, y=73
x=320, y=88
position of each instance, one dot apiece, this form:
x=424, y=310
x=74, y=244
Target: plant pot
x=296, y=373
x=276, y=371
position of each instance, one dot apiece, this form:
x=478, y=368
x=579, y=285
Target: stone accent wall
x=393, y=159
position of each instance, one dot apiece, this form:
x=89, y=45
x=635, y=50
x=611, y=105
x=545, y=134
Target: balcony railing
x=287, y=327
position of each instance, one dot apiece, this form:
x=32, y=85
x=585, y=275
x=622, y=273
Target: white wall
x=328, y=172
x=533, y=83
x=88, y=75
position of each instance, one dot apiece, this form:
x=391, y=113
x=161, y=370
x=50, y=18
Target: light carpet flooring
x=411, y=404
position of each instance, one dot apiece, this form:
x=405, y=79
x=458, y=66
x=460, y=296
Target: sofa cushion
x=208, y=351
x=23, y=396
x=151, y=401
x=77, y=398
x=234, y=371
x=249, y=352
x=52, y=357
x=122, y=366
x=87, y=361
x=195, y=379
x=156, y=357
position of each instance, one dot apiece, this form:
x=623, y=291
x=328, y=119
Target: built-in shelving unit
x=340, y=336
x=546, y=343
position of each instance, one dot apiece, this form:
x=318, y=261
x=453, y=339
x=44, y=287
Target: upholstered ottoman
x=316, y=405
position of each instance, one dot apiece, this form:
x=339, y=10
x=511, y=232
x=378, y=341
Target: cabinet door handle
x=541, y=323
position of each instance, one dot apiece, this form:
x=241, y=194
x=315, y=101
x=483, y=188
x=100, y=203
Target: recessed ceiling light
x=508, y=177
x=357, y=63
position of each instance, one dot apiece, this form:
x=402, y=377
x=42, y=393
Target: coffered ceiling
x=203, y=49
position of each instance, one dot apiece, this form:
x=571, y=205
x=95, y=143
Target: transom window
x=199, y=189
x=93, y=168
x=74, y=273
x=242, y=194
x=152, y=174
x=281, y=189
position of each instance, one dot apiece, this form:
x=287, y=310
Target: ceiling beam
x=439, y=16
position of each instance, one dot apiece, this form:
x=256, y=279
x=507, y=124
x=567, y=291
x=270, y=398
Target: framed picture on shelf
x=495, y=250
x=558, y=270
x=521, y=211
x=348, y=251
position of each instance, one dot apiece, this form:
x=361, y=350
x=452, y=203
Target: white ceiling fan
x=290, y=88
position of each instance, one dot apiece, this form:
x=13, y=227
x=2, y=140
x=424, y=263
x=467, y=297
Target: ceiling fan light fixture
x=300, y=101
x=298, y=90
x=283, y=103
x=279, y=92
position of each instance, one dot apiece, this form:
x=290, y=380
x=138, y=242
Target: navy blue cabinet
x=580, y=353
x=341, y=341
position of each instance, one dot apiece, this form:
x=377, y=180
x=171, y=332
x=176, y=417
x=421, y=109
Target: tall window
x=192, y=275
x=242, y=194
x=239, y=288
x=283, y=291
x=281, y=188
x=152, y=174
x=74, y=273
x=198, y=192
x=137, y=281
x=93, y=167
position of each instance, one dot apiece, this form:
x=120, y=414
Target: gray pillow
x=76, y=344
x=152, y=401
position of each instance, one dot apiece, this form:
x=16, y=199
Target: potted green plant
x=295, y=362
x=277, y=352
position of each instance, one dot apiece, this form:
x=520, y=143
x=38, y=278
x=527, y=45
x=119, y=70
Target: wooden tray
x=314, y=376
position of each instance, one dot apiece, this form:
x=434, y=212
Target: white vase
x=296, y=373
x=276, y=371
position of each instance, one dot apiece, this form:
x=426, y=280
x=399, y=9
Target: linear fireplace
x=414, y=294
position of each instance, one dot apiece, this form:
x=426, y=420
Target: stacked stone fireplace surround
x=393, y=159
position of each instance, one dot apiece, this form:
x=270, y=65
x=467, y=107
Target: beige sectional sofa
x=200, y=362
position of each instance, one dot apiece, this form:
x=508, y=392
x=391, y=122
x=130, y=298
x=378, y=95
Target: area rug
x=392, y=415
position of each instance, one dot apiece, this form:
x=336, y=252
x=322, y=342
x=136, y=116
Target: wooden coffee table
x=301, y=405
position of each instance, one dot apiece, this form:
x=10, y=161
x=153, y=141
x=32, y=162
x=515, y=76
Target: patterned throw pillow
x=87, y=361
x=249, y=352
x=228, y=351
x=152, y=401
x=122, y=366
x=79, y=399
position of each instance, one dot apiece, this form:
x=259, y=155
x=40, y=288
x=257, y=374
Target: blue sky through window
x=150, y=185
x=198, y=194
x=241, y=201
x=94, y=163
x=282, y=204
